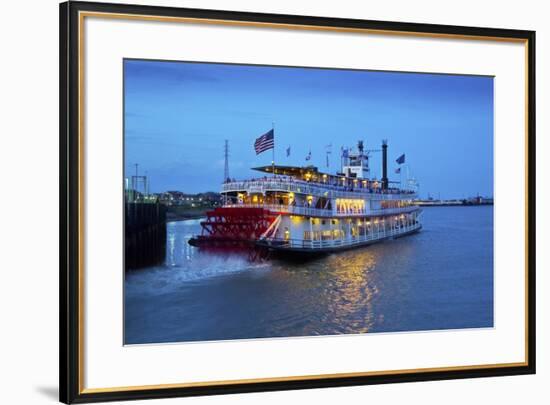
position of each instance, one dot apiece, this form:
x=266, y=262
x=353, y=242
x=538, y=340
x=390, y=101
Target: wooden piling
x=145, y=234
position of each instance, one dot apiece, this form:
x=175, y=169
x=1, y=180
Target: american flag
x=265, y=142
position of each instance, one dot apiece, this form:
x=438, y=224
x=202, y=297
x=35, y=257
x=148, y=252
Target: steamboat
x=295, y=210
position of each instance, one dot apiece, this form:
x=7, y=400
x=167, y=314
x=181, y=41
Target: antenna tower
x=226, y=167
x=226, y=156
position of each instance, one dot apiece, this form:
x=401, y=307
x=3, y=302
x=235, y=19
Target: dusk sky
x=178, y=114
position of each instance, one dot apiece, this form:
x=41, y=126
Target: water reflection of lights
x=171, y=244
x=351, y=289
x=337, y=293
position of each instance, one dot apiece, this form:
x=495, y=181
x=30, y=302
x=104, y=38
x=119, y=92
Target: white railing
x=303, y=187
x=394, y=211
x=317, y=212
x=290, y=209
x=350, y=241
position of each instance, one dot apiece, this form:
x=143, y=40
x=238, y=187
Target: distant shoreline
x=201, y=215
x=458, y=204
x=181, y=213
x=190, y=218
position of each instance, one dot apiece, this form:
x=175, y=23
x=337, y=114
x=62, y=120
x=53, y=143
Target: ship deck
x=325, y=213
x=299, y=247
x=291, y=185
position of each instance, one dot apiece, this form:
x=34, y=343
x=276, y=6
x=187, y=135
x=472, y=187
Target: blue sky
x=178, y=114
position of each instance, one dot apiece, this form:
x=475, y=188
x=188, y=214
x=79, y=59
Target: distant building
x=173, y=197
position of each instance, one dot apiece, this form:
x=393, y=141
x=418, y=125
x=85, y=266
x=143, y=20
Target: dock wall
x=145, y=235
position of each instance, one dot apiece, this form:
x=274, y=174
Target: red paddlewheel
x=236, y=223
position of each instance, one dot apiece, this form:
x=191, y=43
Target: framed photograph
x=255, y=202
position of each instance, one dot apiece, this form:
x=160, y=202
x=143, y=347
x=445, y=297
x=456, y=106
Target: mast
x=226, y=165
x=226, y=168
x=273, y=150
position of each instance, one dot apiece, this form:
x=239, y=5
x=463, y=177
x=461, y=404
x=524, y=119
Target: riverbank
x=182, y=213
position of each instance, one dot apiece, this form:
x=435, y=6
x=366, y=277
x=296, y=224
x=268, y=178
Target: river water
x=440, y=278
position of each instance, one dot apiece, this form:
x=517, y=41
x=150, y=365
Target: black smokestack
x=384, y=164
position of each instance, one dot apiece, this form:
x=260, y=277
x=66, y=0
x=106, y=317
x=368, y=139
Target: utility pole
x=146, y=185
x=134, y=184
x=136, y=180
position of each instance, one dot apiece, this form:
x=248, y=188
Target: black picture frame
x=70, y=314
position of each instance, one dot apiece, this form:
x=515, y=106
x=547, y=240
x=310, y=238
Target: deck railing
x=350, y=241
x=317, y=212
x=290, y=209
x=319, y=189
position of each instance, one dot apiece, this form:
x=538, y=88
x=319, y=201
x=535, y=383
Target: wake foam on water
x=191, y=269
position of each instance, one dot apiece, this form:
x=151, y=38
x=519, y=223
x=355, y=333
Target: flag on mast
x=288, y=151
x=401, y=159
x=308, y=157
x=265, y=142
